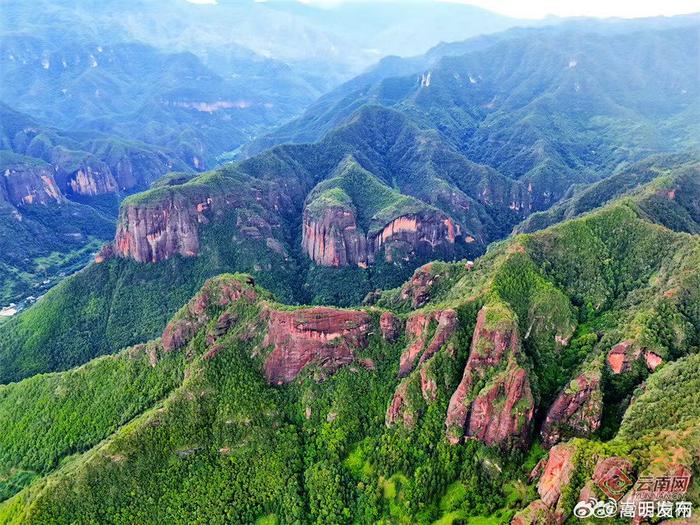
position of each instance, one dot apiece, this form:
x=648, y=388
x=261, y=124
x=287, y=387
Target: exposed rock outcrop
x=613, y=474
x=622, y=356
x=155, y=232
x=156, y=226
x=331, y=236
x=557, y=474
x=415, y=362
x=577, y=411
x=218, y=292
x=420, y=349
x=105, y=253
x=92, y=178
x=501, y=412
x=652, y=360
x=325, y=337
x=389, y=324
x=29, y=184
x=418, y=288
x=399, y=409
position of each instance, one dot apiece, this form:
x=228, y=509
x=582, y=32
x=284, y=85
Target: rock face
x=105, y=253
x=622, y=356
x=652, y=360
x=398, y=409
x=417, y=332
x=614, y=474
x=415, y=363
x=389, y=324
x=107, y=167
x=134, y=168
x=167, y=221
x=557, y=474
x=27, y=185
x=326, y=337
x=577, y=411
x=419, y=287
x=156, y=232
x=331, y=236
x=501, y=412
x=92, y=178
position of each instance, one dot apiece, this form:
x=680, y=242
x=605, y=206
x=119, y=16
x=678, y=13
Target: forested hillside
x=247, y=410
x=550, y=107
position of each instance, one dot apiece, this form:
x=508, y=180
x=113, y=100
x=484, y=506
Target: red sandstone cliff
x=155, y=232
x=92, y=178
x=420, y=349
x=332, y=236
x=325, y=337
x=25, y=185
x=418, y=288
x=219, y=292
x=501, y=412
x=415, y=362
x=577, y=411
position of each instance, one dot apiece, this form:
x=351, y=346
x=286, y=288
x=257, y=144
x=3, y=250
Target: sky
x=599, y=8
x=542, y=8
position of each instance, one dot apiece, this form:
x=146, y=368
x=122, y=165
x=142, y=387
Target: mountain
x=105, y=118
x=60, y=197
x=549, y=107
x=134, y=91
x=339, y=39
x=682, y=169
x=319, y=223
x=499, y=389
x=328, y=223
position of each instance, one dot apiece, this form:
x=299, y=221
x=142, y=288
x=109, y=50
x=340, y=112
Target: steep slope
x=479, y=201
x=682, y=171
x=351, y=216
x=42, y=234
x=88, y=165
x=60, y=195
x=243, y=217
x=426, y=201
x=550, y=107
x=255, y=410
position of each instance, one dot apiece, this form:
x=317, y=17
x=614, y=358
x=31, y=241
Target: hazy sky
x=542, y=8
x=603, y=8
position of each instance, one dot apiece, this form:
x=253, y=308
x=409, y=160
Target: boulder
x=557, y=473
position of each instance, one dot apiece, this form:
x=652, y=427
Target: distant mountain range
x=114, y=95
